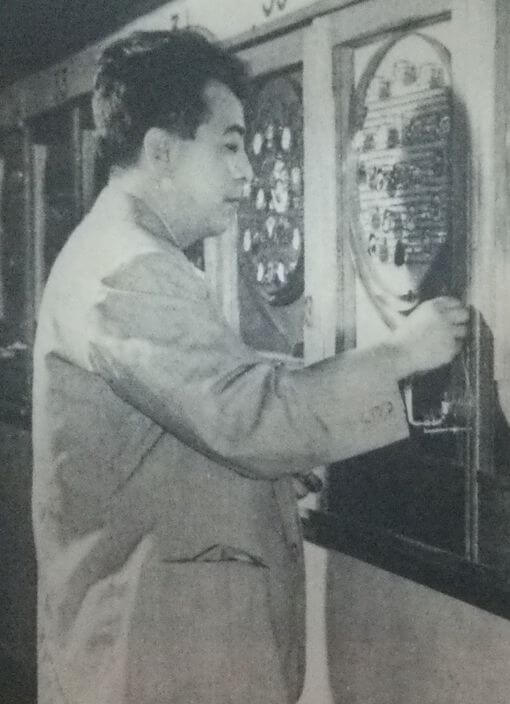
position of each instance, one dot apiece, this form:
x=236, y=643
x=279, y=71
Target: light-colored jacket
x=168, y=542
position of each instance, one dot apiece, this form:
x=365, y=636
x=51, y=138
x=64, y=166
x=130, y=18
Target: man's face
x=211, y=170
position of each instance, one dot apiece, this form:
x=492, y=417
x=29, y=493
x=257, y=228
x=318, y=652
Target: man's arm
x=160, y=344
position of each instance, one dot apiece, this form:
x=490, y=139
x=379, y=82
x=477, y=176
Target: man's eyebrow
x=239, y=129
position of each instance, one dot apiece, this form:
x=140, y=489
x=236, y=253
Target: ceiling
x=36, y=33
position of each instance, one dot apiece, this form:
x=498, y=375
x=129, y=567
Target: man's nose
x=244, y=167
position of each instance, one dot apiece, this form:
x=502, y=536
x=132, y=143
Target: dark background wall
x=17, y=569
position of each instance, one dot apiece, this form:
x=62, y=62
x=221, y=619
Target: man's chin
x=223, y=224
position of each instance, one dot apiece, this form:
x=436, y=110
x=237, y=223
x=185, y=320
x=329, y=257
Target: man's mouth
x=234, y=202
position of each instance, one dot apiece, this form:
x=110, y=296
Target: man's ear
x=161, y=150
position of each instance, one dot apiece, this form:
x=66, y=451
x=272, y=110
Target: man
x=168, y=542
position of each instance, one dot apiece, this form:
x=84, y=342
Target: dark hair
x=157, y=79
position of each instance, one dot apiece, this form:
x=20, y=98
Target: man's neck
x=138, y=184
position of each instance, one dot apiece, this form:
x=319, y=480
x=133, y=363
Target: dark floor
x=17, y=570
x=16, y=685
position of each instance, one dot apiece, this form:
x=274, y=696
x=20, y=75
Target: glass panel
x=271, y=237
x=400, y=190
x=402, y=158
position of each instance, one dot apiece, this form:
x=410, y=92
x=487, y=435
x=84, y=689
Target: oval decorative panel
x=399, y=171
x=271, y=245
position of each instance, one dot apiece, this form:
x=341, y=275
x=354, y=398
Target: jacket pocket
x=201, y=632
x=222, y=553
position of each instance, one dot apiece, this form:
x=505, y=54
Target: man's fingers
x=450, y=305
x=447, y=302
x=458, y=316
x=453, y=310
x=460, y=331
x=299, y=488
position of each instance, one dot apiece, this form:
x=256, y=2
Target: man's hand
x=306, y=483
x=432, y=335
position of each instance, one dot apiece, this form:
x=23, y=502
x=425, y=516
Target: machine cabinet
x=420, y=182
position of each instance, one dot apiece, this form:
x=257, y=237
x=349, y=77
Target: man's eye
x=232, y=147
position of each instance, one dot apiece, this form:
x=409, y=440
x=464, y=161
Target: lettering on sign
x=179, y=18
x=269, y=6
x=18, y=115
x=61, y=87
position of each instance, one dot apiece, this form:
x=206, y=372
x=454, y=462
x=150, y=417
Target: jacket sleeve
x=159, y=342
